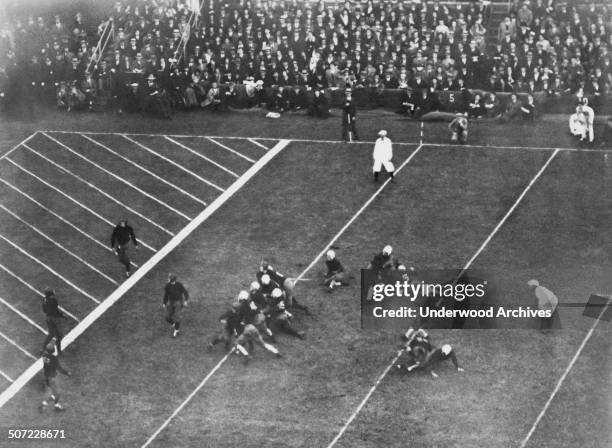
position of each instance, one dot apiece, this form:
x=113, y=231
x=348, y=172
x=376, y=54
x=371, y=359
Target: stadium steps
x=498, y=10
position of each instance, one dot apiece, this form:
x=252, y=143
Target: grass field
x=519, y=212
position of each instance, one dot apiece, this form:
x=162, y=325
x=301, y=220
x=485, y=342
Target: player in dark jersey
x=459, y=130
x=175, y=298
x=231, y=326
x=51, y=366
x=280, y=318
x=382, y=260
x=121, y=236
x=416, y=347
x=435, y=357
x=336, y=274
x=53, y=318
x=286, y=284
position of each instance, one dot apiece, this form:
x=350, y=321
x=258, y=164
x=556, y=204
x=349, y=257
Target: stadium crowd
x=289, y=54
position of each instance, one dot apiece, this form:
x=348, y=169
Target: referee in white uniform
x=383, y=153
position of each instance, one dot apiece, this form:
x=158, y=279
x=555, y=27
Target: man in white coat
x=589, y=115
x=383, y=153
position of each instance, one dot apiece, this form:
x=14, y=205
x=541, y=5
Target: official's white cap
x=446, y=349
x=382, y=133
x=330, y=254
x=533, y=283
x=387, y=250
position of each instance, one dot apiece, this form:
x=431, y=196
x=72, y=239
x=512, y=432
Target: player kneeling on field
x=459, y=130
x=336, y=273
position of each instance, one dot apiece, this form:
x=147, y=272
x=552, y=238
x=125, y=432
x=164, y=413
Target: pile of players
x=257, y=315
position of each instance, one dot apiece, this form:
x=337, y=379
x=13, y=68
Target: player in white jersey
x=577, y=123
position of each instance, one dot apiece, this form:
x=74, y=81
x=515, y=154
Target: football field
x=209, y=207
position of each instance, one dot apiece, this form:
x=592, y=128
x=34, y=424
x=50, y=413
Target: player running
x=53, y=318
x=51, y=366
x=249, y=336
x=175, y=298
x=122, y=235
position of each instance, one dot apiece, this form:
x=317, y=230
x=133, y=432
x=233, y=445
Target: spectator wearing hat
x=349, y=114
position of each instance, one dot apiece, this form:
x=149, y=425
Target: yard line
x=65, y=221
x=255, y=142
x=50, y=269
x=103, y=193
x=565, y=373
x=119, y=178
x=25, y=140
x=468, y=264
x=55, y=243
x=503, y=220
x=142, y=168
x=172, y=162
x=8, y=378
x=31, y=371
x=36, y=291
x=19, y=347
x=299, y=277
x=239, y=154
x=201, y=156
x=22, y=315
x=70, y=198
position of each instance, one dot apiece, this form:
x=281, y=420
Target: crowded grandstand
x=411, y=57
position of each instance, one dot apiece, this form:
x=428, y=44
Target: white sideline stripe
x=16, y=345
x=202, y=156
x=172, y=162
x=65, y=221
x=468, y=264
x=25, y=140
x=142, y=168
x=187, y=400
x=36, y=291
x=119, y=178
x=565, y=373
x=255, y=142
x=50, y=269
x=102, y=192
x=31, y=371
x=22, y=315
x=55, y=243
x=70, y=198
x=360, y=142
x=299, y=277
x=239, y=154
x=8, y=378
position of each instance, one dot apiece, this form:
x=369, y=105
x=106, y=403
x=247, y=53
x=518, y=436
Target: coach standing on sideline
x=122, y=235
x=383, y=153
x=175, y=298
x=349, y=114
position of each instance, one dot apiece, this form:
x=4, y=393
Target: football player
x=336, y=273
x=270, y=279
x=231, y=326
x=249, y=336
x=280, y=317
x=459, y=130
x=435, y=357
